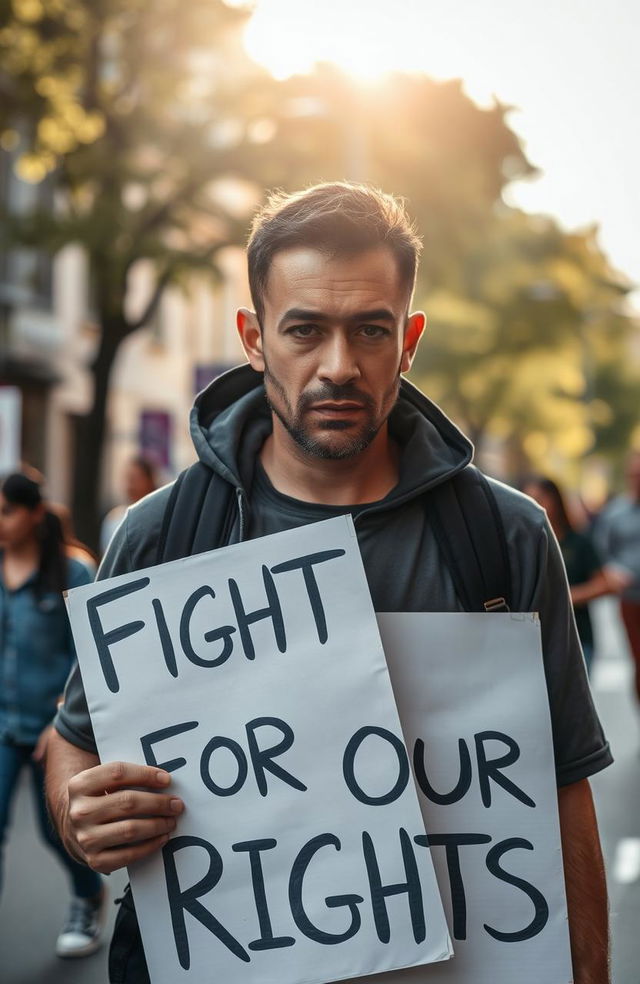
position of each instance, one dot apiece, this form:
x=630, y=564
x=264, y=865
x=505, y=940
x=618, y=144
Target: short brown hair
x=338, y=218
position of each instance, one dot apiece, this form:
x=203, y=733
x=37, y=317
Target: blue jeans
x=86, y=883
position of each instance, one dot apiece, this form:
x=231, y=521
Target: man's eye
x=302, y=331
x=374, y=331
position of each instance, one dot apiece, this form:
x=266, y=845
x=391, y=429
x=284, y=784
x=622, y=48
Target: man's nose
x=339, y=363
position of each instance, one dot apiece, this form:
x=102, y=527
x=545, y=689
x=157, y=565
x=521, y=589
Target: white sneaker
x=82, y=932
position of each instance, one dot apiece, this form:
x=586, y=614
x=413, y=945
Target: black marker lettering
x=464, y=780
x=262, y=759
x=165, y=638
x=104, y=640
x=306, y=564
x=205, y=766
x=379, y=892
x=181, y=899
x=296, y=880
x=273, y=611
x=348, y=761
x=490, y=768
x=267, y=940
x=451, y=843
x=541, y=909
x=148, y=741
x=213, y=635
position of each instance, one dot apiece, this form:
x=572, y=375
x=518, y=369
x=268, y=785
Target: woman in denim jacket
x=36, y=653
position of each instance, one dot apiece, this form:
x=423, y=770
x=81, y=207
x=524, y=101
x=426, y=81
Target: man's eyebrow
x=303, y=314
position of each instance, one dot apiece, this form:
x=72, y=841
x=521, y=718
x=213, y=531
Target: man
x=320, y=424
x=618, y=536
x=139, y=480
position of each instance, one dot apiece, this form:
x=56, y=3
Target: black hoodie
x=229, y=423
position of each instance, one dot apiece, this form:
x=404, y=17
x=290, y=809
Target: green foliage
x=423, y=140
x=527, y=341
x=140, y=113
x=160, y=137
x=520, y=349
x=135, y=107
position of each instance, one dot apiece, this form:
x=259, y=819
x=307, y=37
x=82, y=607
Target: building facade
x=48, y=336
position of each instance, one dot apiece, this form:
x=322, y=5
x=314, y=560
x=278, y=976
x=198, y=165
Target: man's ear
x=413, y=332
x=251, y=337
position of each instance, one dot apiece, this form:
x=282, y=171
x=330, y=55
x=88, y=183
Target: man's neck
x=367, y=477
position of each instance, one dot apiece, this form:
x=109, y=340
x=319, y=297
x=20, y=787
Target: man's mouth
x=337, y=407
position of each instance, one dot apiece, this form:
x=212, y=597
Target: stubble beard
x=293, y=419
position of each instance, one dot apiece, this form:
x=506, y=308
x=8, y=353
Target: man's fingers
x=135, y=803
x=111, y=859
x=123, y=833
x=110, y=824
x=87, y=812
x=117, y=775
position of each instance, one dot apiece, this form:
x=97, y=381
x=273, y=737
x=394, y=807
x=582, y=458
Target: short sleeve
x=580, y=747
x=72, y=720
x=132, y=547
x=78, y=573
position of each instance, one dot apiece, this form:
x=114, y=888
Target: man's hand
x=619, y=578
x=110, y=815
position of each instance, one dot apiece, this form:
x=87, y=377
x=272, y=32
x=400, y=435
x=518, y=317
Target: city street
x=34, y=898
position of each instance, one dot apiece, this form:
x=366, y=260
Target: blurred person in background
x=617, y=532
x=36, y=653
x=139, y=480
x=73, y=546
x=585, y=573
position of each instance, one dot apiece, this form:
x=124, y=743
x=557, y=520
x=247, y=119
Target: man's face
x=335, y=338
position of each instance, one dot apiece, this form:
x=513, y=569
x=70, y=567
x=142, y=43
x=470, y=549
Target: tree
x=139, y=111
x=521, y=349
x=528, y=339
x=424, y=140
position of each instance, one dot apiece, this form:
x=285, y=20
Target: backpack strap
x=197, y=516
x=470, y=534
x=463, y=513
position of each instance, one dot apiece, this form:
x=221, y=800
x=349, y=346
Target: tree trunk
x=90, y=433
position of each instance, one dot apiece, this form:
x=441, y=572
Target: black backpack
x=462, y=511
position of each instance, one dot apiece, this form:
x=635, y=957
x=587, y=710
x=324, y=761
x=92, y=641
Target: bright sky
x=571, y=67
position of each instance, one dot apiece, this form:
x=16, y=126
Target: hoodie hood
x=230, y=421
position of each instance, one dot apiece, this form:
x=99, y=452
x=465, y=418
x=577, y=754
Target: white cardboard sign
x=472, y=699
x=256, y=675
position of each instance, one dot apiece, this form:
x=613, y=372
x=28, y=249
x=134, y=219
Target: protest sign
x=471, y=694
x=255, y=675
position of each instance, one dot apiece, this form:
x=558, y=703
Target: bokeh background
x=137, y=137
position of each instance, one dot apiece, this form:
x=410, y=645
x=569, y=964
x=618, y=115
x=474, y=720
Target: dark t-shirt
x=407, y=574
x=391, y=573
x=582, y=562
